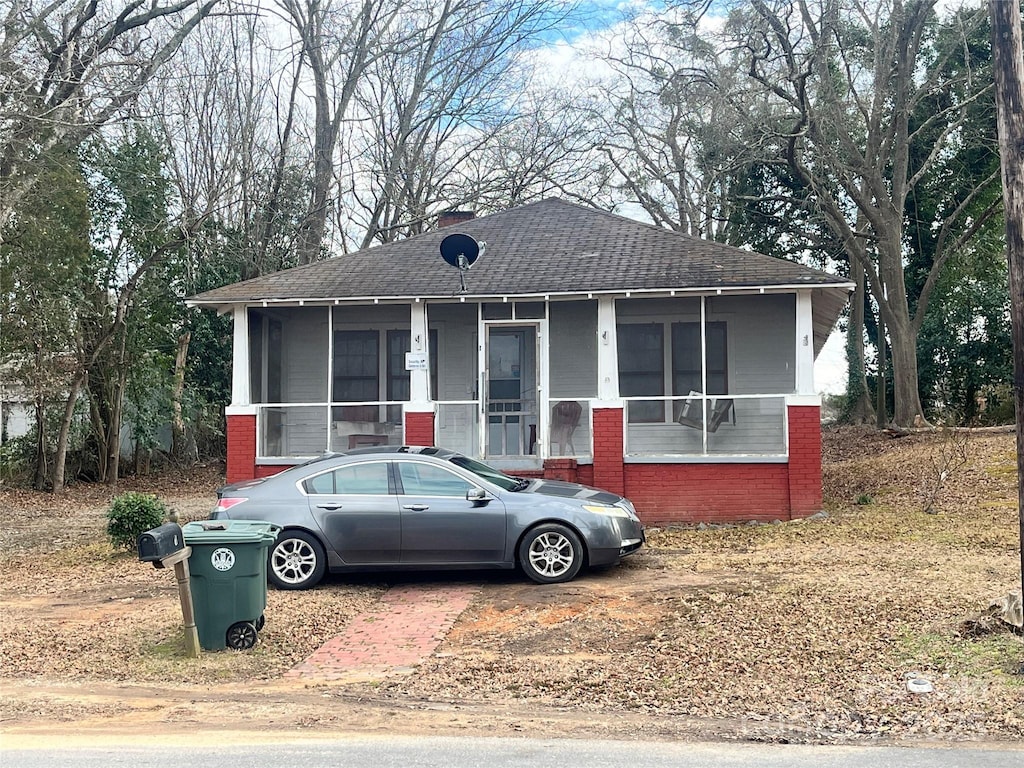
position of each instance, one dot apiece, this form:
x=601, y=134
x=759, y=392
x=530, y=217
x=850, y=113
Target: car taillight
x=227, y=503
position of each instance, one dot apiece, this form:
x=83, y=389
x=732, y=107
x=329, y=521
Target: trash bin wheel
x=260, y=622
x=241, y=635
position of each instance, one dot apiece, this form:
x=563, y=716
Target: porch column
x=240, y=416
x=240, y=391
x=607, y=351
x=419, y=411
x=607, y=409
x=419, y=343
x=804, y=344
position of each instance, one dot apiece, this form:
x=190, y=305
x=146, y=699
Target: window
x=686, y=368
x=362, y=479
x=357, y=374
x=644, y=370
x=428, y=480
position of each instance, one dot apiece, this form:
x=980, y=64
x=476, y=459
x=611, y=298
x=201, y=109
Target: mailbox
x=156, y=544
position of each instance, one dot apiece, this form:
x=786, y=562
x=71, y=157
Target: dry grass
x=798, y=631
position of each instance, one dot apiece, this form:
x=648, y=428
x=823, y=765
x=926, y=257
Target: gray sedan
x=417, y=508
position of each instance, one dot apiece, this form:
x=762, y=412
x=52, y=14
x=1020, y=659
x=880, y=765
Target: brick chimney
x=447, y=218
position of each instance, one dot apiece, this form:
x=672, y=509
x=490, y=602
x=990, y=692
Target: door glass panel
x=511, y=391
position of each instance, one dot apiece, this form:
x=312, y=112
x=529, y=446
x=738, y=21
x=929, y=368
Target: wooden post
x=1008, y=66
x=180, y=562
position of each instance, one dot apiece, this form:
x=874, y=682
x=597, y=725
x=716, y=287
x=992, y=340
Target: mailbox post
x=165, y=546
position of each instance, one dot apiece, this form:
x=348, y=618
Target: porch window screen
x=356, y=373
x=642, y=369
x=686, y=365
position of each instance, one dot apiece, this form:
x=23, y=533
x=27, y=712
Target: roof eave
x=222, y=305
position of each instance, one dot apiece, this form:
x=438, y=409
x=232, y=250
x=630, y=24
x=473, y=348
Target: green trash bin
x=228, y=567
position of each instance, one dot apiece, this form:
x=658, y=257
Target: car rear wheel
x=296, y=561
x=551, y=554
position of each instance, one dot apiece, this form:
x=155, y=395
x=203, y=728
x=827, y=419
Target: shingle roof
x=552, y=246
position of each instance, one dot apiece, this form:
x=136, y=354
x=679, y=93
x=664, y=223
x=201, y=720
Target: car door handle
x=416, y=507
x=331, y=507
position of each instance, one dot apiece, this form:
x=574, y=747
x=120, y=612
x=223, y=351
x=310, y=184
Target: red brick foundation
x=609, y=470
x=804, y=460
x=562, y=469
x=419, y=428
x=241, y=438
x=690, y=493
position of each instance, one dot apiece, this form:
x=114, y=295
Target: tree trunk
x=907, y=411
x=114, y=432
x=60, y=460
x=858, y=403
x=113, y=446
x=181, y=450
x=880, y=410
x=99, y=431
x=39, y=481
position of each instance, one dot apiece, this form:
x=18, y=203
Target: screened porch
x=516, y=382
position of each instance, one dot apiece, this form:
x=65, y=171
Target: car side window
x=321, y=483
x=428, y=480
x=365, y=479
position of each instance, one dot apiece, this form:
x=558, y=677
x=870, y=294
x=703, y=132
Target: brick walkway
x=407, y=625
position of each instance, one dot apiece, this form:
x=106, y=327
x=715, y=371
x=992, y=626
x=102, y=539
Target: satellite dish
x=461, y=251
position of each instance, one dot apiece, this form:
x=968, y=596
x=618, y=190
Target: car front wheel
x=551, y=554
x=296, y=561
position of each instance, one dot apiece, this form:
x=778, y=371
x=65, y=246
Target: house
x=583, y=346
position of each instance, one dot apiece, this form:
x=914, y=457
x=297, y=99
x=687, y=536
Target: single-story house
x=580, y=345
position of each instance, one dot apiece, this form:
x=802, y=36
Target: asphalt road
x=420, y=752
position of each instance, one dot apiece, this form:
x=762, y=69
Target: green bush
x=131, y=514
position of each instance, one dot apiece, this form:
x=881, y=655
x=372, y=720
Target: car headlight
x=603, y=509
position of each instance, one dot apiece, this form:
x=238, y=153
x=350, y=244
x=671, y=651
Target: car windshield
x=490, y=474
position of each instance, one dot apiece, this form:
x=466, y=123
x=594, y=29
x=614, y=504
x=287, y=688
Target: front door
x=511, y=386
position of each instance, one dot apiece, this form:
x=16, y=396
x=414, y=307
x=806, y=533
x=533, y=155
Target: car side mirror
x=478, y=496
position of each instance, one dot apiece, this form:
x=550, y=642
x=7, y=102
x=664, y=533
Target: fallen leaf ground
x=797, y=631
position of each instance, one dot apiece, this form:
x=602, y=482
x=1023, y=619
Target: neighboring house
x=586, y=346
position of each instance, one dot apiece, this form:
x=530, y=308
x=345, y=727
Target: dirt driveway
x=801, y=631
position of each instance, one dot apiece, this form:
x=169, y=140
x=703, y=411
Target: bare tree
x=70, y=67
x=674, y=122
x=339, y=40
x=431, y=105
x=847, y=78
x=230, y=114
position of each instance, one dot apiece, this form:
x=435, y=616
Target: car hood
x=572, y=491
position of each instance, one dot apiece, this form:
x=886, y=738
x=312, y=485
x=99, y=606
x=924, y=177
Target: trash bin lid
x=229, y=531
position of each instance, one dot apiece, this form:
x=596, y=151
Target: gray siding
x=572, y=353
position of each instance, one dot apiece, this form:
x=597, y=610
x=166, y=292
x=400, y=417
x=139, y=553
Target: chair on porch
x=565, y=417
x=690, y=413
